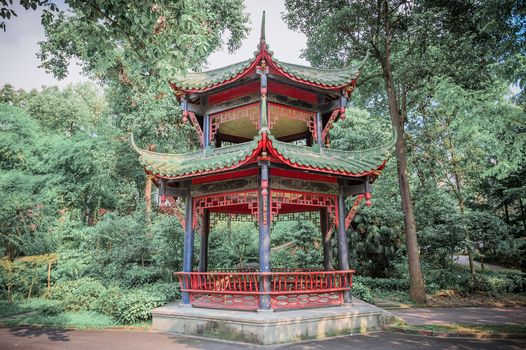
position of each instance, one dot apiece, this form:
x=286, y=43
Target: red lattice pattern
x=250, y=112
x=277, y=111
x=249, y=198
x=304, y=199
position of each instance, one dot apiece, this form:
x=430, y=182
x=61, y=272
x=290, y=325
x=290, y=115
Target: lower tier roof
x=216, y=160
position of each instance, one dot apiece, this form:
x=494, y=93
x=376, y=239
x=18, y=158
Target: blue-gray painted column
x=203, y=248
x=326, y=239
x=319, y=129
x=206, y=131
x=343, y=254
x=264, y=234
x=188, y=251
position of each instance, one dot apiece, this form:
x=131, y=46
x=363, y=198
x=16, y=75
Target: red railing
x=287, y=289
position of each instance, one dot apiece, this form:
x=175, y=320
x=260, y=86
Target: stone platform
x=270, y=327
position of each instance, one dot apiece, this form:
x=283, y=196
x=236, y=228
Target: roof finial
x=262, y=37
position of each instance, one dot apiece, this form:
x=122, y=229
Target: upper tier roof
x=330, y=79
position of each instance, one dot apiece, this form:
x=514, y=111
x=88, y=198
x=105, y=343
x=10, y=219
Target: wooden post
x=264, y=235
x=326, y=239
x=188, y=250
x=343, y=253
x=203, y=251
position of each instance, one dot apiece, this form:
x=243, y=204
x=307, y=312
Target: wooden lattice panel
x=250, y=112
x=249, y=198
x=277, y=111
x=280, y=197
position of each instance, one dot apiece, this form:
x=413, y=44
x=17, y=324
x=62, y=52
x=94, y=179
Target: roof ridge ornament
x=262, y=35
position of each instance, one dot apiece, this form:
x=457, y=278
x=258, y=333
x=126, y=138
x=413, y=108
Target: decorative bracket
x=197, y=127
x=353, y=211
x=331, y=121
x=174, y=209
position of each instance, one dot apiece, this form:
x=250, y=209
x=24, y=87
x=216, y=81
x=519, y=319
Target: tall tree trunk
x=417, y=287
x=522, y=213
x=416, y=280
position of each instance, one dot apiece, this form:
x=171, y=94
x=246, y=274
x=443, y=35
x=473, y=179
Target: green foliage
x=362, y=292
x=138, y=44
x=76, y=295
x=401, y=284
x=375, y=241
x=137, y=306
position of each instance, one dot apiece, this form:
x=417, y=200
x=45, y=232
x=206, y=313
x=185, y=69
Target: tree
x=410, y=42
x=140, y=44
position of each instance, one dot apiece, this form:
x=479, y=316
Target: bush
x=137, y=306
x=362, y=292
x=166, y=292
x=383, y=283
x=78, y=295
x=108, y=301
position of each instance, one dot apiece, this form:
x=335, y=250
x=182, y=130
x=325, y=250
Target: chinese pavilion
x=264, y=128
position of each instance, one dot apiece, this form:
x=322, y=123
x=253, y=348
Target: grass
x=19, y=307
x=41, y=312
x=392, y=296
x=79, y=320
x=486, y=330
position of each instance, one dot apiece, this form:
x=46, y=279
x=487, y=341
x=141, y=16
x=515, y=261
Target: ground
x=52, y=339
x=463, y=315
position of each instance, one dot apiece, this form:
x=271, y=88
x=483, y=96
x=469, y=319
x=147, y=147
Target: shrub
x=383, y=283
x=78, y=295
x=137, y=306
x=166, y=292
x=107, y=303
x=362, y=292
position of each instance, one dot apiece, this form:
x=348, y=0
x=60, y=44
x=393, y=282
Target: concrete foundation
x=270, y=327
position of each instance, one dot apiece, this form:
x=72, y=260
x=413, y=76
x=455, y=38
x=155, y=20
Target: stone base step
x=270, y=327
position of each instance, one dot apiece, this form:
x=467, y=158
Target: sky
x=19, y=45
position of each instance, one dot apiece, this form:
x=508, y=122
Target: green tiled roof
x=184, y=164
x=325, y=77
x=203, y=80
x=354, y=162
x=215, y=159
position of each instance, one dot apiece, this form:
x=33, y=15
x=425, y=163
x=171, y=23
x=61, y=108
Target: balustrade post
x=343, y=247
